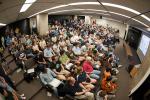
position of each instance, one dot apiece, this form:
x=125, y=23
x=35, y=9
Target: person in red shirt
x=88, y=68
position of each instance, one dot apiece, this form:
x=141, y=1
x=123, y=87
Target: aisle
x=123, y=76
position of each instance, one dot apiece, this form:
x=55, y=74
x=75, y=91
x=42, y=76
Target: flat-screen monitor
x=143, y=47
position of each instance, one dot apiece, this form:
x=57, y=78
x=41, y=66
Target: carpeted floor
x=33, y=90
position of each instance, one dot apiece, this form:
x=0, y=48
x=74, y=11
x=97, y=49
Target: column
x=87, y=20
x=42, y=23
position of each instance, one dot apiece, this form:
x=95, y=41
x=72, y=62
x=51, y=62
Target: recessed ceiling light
x=26, y=5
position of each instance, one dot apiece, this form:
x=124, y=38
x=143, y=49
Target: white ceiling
x=9, y=9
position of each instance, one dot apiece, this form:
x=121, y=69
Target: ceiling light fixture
x=30, y=1
x=26, y=5
x=2, y=24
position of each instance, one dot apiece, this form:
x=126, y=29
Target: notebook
x=55, y=82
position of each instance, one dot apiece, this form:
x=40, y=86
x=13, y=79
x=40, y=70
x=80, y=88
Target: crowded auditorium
x=74, y=50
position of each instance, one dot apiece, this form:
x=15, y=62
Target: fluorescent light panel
x=30, y=1
x=2, y=24
x=26, y=5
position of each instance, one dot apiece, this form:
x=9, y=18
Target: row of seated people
x=65, y=52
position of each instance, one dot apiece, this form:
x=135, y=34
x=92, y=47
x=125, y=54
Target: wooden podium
x=135, y=70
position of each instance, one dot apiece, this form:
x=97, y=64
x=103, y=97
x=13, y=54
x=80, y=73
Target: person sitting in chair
x=48, y=77
x=84, y=79
x=108, y=86
x=73, y=88
x=48, y=52
x=102, y=95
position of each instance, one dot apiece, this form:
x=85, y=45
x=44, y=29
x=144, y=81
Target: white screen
x=144, y=44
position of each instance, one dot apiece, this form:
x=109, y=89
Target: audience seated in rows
x=79, y=55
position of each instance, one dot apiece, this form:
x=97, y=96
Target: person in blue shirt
x=47, y=75
x=48, y=52
x=8, y=40
x=76, y=49
x=28, y=41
